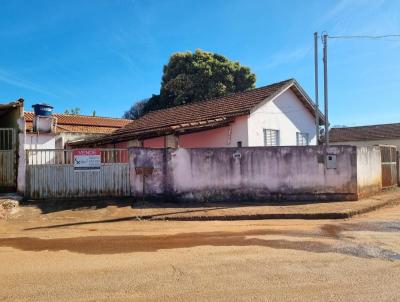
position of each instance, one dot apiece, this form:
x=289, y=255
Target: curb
x=305, y=216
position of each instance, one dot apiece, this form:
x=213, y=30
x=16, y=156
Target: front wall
x=274, y=173
x=287, y=114
x=369, y=170
x=154, y=184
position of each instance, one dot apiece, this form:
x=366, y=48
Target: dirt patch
x=126, y=244
x=331, y=230
x=141, y=243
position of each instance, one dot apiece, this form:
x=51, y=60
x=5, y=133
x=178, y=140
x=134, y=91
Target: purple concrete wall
x=259, y=173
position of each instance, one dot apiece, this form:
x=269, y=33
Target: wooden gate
x=51, y=174
x=389, y=166
x=7, y=159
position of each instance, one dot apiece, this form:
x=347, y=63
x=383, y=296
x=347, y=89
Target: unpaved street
x=58, y=256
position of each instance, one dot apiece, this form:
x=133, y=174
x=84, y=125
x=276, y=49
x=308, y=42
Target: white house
x=280, y=114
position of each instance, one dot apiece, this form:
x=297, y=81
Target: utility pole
x=325, y=41
x=316, y=87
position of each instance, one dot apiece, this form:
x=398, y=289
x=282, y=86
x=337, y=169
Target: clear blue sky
x=105, y=55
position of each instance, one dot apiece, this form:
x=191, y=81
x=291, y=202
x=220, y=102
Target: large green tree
x=190, y=77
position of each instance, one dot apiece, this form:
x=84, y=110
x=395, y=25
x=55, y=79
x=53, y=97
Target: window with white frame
x=302, y=139
x=271, y=137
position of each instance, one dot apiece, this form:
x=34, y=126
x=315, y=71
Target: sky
x=106, y=55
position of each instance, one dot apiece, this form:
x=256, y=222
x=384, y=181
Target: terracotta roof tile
x=81, y=123
x=361, y=133
x=230, y=105
x=164, y=121
x=72, y=119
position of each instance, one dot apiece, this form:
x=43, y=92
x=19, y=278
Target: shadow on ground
x=121, y=219
x=51, y=206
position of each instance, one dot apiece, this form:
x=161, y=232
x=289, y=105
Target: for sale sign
x=87, y=160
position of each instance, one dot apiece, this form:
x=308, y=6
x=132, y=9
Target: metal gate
x=7, y=158
x=389, y=166
x=50, y=174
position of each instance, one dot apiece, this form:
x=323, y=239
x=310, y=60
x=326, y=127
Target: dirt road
x=59, y=257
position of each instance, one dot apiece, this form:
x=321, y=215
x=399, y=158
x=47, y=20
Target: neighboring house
x=384, y=134
x=281, y=114
x=18, y=133
x=10, y=147
x=66, y=128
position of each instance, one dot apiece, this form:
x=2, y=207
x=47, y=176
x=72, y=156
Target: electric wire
x=365, y=37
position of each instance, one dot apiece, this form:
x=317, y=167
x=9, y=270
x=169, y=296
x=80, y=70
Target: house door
x=7, y=159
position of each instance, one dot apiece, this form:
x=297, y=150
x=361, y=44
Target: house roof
x=211, y=113
x=365, y=133
x=81, y=123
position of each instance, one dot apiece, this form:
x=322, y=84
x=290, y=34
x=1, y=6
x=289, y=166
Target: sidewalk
x=325, y=210
x=107, y=211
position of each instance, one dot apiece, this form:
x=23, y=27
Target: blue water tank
x=42, y=109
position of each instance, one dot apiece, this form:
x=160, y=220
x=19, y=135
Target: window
x=239, y=144
x=302, y=139
x=271, y=137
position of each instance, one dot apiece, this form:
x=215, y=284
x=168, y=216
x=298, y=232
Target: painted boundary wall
x=255, y=173
x=369, y=170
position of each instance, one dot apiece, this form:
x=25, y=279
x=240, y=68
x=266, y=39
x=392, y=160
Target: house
x=384, y=134
x=64, y=128
x=20, y=131
x=280, y=114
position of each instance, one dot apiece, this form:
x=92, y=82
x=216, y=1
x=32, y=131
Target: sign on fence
x=87, y=160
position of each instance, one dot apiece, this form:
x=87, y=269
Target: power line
x=365, y=37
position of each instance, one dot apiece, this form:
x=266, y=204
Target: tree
x=191, y=77
x=136, y=110
x=74, y=111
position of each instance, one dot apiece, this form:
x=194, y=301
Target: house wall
x=21, y=153
x=74, y=136
x=227, y=136
x=285, y=113
x=41, y=141
x=393, y=142
x=274, y=173
x=216, y=138
x=15, y=119
x=155, y=142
